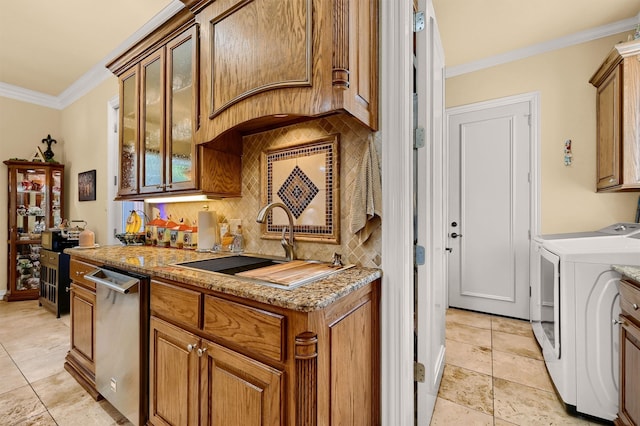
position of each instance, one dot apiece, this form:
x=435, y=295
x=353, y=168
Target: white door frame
x=534, y=166
x=432, y=172
x=114, y=210
x=396, y=130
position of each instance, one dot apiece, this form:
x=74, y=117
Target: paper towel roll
x=207, y=230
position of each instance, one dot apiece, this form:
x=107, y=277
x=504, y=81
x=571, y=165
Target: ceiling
x=48, y=45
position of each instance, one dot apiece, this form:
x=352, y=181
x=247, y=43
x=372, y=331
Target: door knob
x=455, y=235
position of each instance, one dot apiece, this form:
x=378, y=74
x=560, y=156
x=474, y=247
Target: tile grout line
x=46, y=409
x=493, y=388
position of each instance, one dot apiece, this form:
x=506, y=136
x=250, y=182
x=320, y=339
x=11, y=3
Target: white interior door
x=430, y=226
x=490, y=207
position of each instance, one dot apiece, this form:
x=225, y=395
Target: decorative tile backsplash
x=305, y=179
x=353, y=141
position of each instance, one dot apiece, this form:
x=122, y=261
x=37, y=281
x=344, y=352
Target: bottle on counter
x=238, y=240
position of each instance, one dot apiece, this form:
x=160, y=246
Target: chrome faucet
x=287, y=245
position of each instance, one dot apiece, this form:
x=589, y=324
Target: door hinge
x=418, y=255
x=418, y=372
x=418, y=22
x=418, y=138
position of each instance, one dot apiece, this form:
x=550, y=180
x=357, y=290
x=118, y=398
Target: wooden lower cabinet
x=173, y=375
x=223, y=360
x=629, y=409
x=238, y=390
x=80, y=360
x=193, y=378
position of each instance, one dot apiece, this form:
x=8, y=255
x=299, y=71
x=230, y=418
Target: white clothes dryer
x=574, y=302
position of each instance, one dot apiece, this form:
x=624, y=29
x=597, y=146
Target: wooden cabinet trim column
x=306, y=355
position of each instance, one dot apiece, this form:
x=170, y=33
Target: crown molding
x=29, y=96
x=96, y=75
x=537, y=49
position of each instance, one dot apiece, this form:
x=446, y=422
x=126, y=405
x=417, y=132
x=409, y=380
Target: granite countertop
x=632, y=272
x=160, y=262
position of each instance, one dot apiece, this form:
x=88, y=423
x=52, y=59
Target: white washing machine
x=574, y=306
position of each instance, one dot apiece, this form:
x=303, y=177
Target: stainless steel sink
x=235, y=264
x=231, y=265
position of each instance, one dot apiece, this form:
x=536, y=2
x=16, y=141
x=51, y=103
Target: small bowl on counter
x=129, y=239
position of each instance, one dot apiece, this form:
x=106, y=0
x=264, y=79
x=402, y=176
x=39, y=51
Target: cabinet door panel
x=238, y=390
x=173, y=375
x=353, y=369
x=152, y=130
x=608, y=144
x=128, y=179
x=630, y=367
x=82, y=324
x=182, y=98
x=260, y=52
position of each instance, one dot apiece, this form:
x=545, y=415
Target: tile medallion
x=305, y=179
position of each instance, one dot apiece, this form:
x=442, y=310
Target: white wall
x=22, y=128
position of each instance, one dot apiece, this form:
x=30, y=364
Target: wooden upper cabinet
x=618, y=116
x=160, y=114
x=168, y=103
x=271, y=62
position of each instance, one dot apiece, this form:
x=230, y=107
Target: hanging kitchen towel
x=366, y=201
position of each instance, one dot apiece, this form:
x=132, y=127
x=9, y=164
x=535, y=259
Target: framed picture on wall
x=305, y=179
x=87, y=186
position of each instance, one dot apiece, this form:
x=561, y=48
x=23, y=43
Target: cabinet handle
x=620, y=322
x=201, y=351
x=79, y=273
x=66, y=289
x=190, y=348
x=635, y=306
x=611, y=180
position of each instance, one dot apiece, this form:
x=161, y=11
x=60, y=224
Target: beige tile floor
x=34, y=387
x=494, y=374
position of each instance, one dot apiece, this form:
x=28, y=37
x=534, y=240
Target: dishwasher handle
x=114, y=281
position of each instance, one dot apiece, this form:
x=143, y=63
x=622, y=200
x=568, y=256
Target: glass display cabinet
x=36, y=203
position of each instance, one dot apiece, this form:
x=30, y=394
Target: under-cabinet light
x=178, y=199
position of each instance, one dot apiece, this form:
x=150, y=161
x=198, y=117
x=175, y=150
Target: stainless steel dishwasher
x=122, y=340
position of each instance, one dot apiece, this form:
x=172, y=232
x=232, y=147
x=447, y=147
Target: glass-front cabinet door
x=181, y=112
x=129, y=148
x=152, y=123
x=36, y=197
x=158, y=119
